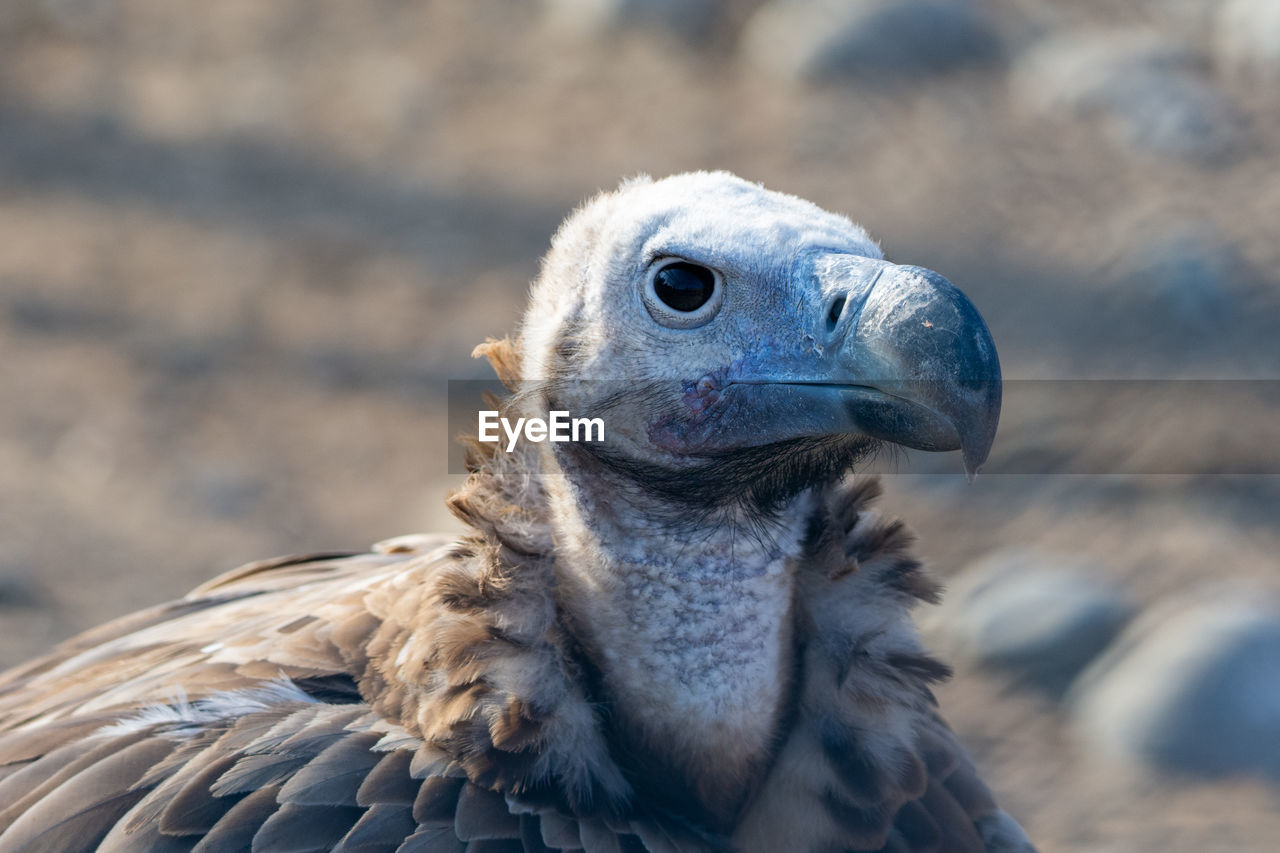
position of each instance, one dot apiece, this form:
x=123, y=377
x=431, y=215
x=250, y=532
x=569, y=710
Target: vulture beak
x=900, y=355
x=914, y=362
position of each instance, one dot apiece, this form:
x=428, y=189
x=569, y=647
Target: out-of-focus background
x=245, y=244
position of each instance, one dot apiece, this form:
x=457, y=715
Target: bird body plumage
x=584, y=669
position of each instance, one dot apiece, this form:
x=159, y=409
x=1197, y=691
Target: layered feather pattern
x=428, y=696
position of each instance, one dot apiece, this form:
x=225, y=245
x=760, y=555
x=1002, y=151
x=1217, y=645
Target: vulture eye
x=682, y=295
x=683, y=286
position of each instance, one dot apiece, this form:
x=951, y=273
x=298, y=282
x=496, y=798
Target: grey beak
x=899, y=354
x=913, y=359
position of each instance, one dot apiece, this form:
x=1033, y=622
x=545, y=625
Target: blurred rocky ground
x=244, y=245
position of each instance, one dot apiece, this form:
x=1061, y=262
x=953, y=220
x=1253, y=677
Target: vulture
x=690, y=633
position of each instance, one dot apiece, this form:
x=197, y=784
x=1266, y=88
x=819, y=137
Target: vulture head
x=744, y=348
x=692, y=636
x=745, y=345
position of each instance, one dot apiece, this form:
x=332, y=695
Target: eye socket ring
x=680, y=294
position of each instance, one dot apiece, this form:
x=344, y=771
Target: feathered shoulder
x=427, y=696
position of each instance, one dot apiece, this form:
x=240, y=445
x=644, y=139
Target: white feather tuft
x=181, y=718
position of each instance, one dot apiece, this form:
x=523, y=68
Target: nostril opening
x=833, y=316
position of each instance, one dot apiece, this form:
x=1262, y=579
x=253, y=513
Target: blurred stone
x=1190, y=268
x=1038, y=617
x=224, y=493
x=1247, y=37
x=1149, y=91
x=17, y=587
x=1193, y=686
x=185, y=360
x=77, y=17
x=88, y=456
x=1191, y=21
x=819, y=41
x=593, y=18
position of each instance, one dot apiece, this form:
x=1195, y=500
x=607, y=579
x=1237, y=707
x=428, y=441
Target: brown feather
x=483, y=814
x=559, y=832
x=33, y=776
x=194, y=809
x=22, y=746
x=495, y=845
x=503, y=358
x=515, y=728
x=389, y=782
x=77, y=814
x=295, y=828
x=531, y=835
x=917, y=829
x=437, y=801
x=235, y=830
x=72, y=760
x=969, y=792
x=383, y=826
x=148, y=838
x=598, y=838
x=333, y=777
x=236, y=577
x=433, y=840
x=955, y=825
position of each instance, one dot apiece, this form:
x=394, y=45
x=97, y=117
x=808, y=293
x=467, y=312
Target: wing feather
x=389, y=782
x=334, y=776
x=188, y=806
x=295, y=828
x=432, y=840
x=71, y=760
x=76, y=815
x=235, y=830
x=384, y=826
x=482, y=814
x=437, y=801
x=495, y=845
x=560, y=832
x=32, y=775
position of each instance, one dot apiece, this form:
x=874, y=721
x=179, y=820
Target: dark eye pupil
x=683, y=286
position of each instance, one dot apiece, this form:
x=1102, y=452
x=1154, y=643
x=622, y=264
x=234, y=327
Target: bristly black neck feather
x=759, y=481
